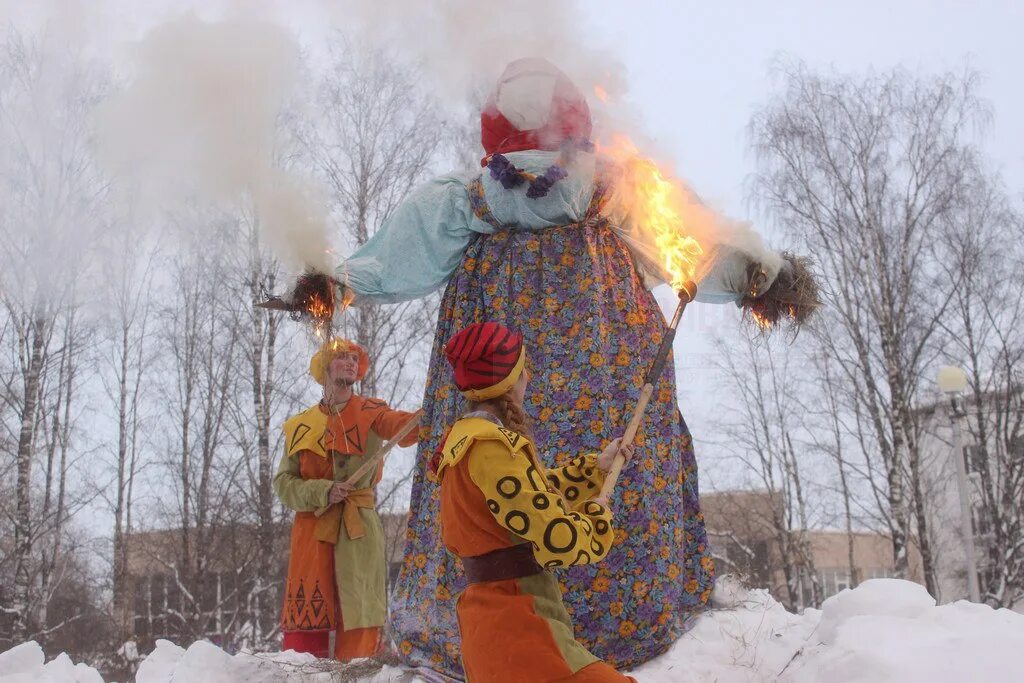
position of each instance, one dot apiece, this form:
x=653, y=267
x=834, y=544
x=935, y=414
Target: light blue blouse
x=420, y=245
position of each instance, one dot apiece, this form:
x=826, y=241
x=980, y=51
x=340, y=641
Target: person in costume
x=531, y=242
x=336, y=566
x=511, y=520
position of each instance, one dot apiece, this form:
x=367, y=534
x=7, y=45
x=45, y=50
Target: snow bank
x=25, y=663
x=204, y=661
x=884, y=630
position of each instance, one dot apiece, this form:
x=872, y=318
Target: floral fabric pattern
x=590, y=330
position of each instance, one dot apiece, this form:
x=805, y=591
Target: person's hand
x=604, y=461
x=338, y=492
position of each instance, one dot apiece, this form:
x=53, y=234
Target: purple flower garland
x=506, y=173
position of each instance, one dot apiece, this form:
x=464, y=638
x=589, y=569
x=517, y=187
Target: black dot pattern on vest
x=582, y=557
x=509, y=487
x=517, y=522
x=572, y=493
x=601, y=526
x=536, y=481
x=550, y=564
x=493, y=506
x=550, y=531
x=553, y=478
x=541, y=501
x=573, y=474
x=596, y=546
x=592, y=508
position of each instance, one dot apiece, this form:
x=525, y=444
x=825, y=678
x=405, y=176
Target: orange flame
x=320, y=313
x=761, y=321
x=601, y=93
x=656, y=203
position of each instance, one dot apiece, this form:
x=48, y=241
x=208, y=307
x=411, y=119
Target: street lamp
x=952, y=381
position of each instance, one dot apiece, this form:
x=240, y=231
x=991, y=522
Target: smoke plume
x=198, y=118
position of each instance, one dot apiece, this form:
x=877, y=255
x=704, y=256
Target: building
x=1002, y=460
x=743, y=530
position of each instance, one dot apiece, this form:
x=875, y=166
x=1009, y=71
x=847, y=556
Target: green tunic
x=302, y=484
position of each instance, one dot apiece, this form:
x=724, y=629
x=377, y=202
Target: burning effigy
x=561, y=238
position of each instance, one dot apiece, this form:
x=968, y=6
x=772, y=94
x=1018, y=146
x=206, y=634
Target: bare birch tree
x=378, y=138
x=764, y=436
x=866, y=173
x=52, y=194
x=984, y=332
x=130, y=266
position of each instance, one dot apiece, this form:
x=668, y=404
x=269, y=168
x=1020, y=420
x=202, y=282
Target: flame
x=761, y=321
x=320, y=313
x=657, y=204
x=601, y=93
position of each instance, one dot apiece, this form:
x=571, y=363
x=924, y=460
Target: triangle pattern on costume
x=373, y=404
x=317, y=601
x=352, y=436
x=457, y=446
x=300, y=431
x=513, y=437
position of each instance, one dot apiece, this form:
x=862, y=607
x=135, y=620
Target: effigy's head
x=533, y=106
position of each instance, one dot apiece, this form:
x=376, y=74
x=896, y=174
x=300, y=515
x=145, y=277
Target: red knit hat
x=534, y=106
x=487, y=358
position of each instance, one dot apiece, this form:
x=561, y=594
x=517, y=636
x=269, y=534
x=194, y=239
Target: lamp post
x=952, y=381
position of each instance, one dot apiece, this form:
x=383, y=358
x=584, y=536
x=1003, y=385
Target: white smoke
x=199, y=119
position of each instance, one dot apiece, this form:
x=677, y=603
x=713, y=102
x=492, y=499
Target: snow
x=26, y=663
x=884, y=630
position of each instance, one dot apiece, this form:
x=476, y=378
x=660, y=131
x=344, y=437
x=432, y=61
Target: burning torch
x=687, y=291
x=313, y=298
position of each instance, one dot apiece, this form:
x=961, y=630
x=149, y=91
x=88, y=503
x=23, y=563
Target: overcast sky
x=695, y=72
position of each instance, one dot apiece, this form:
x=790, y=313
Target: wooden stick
x=410, y=424
x=686, y=294
x=627, y=438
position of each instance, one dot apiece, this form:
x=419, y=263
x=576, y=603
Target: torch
x=686, y=294
x=313, y=298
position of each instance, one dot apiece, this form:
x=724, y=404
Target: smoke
x=199, y=119
x=462, y=46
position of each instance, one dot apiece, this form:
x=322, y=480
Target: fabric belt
x=504, y=563
x=329, y=525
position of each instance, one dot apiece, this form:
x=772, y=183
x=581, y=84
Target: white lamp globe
x=951, y=379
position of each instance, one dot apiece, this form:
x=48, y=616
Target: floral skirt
x=590, y=330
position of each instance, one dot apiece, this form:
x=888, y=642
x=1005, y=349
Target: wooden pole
x=686, y=294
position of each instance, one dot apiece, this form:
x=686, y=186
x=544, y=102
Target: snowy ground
x=884, y=630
